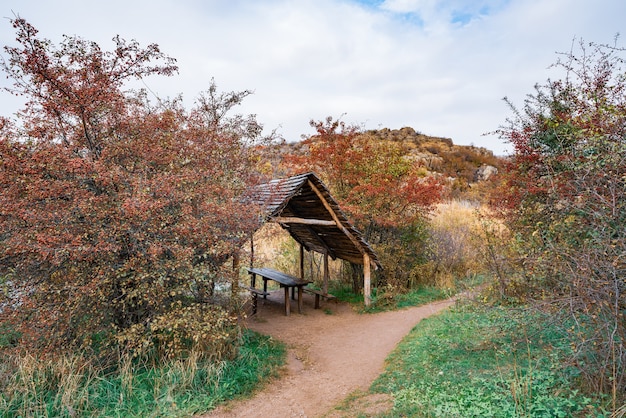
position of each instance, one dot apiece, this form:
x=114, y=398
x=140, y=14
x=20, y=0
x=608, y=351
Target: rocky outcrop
x=485, y=172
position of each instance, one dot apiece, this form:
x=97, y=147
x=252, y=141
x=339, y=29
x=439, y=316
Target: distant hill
x=441, y=155
x=462, y=165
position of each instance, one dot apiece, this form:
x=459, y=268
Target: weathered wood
x=235, y=282
x=279, y=277
x=303, y=221
x=330, y=210
x=255, y=293
x=285, y=280
x=252, y=250
x=322, y=243
x=319, y=294
x=294, y=197
x=301, y=262
x=300, y=299
x=367, y=291
x=287, y=302
x=304, y=207
x=326, y=274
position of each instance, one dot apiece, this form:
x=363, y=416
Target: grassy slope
x=181, y=388
x=478, y=362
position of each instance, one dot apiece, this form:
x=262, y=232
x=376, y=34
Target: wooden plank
x=303, y=221
x=286, y=281
x=367, y=291
x=301, y=262
x=318, y=294
x=330, y=210
x=277, y=276
x=287, y=302
x=252, y=250
x=326, y=274
x=314, y=235
x=255, y=291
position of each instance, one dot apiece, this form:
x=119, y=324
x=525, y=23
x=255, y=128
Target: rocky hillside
x=462, y=165
x=467, y=164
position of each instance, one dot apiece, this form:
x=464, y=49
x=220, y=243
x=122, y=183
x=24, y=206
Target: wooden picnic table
x=285, y=280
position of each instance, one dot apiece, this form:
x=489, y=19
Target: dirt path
x=332, y=352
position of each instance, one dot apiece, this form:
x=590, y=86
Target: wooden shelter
x=304, y=207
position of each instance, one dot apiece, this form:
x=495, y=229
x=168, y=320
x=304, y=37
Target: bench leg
x=287, y=303
x=299, y=299
x=317, y=301
x=254, y=304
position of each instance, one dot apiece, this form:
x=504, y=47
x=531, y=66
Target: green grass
x=421, y=296
x=479, y=362
x=181, y=388
x=345, y=294
x=385, y=302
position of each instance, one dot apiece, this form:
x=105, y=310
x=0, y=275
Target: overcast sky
x=441, y=67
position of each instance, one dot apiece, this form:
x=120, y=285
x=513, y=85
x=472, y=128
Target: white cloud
x=441, y=67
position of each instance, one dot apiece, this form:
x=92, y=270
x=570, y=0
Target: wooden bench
x=318, y=294
x=255, y=293
x=285, y=280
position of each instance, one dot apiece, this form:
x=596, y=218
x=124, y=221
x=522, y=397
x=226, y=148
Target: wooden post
x=252, y=250
x=299, y=299
x=367, y=291
x=301, y=262
x=293, y=295
x=301, y=278
x=235, y=284
x=326, y=274
x=287, y=304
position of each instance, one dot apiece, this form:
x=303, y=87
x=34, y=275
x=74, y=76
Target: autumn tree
x=564, y=193
x=117, y=214
x=386, y=194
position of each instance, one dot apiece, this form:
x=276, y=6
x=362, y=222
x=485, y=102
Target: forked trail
x=332, y=352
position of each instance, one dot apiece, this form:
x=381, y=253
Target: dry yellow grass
x=458, y=242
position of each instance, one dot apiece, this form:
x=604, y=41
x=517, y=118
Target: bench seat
x=318, y=294
x=255, y=293
x=285, y=280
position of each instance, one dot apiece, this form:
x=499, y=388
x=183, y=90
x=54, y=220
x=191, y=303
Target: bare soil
x=334, y=354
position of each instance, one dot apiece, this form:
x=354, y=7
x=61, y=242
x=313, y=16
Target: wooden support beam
x=326, y=275
x=252, y=250
x=301, y=262
x=367, y=280
x=287, y=302
x=234, y=286
x=319, y=240
x=303, y=221
x=330, y=210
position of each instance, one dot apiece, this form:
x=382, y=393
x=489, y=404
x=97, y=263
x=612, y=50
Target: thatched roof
x=303, y=206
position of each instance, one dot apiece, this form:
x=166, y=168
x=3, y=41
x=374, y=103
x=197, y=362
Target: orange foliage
x=383, y=192
x=115, y=213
